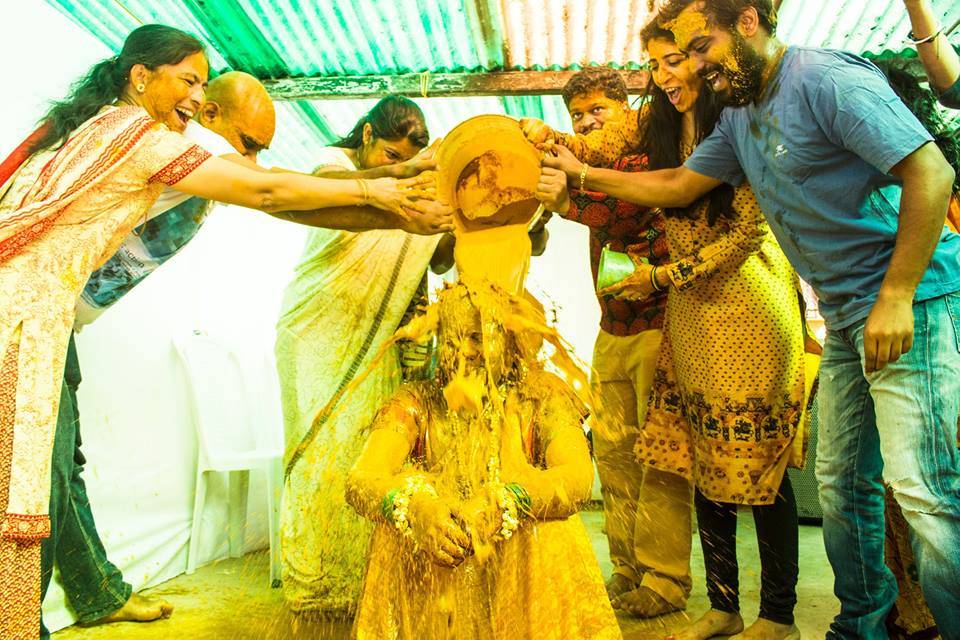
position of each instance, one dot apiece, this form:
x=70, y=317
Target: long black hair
x=393, y=118
x=661, y=134
x=924, y=105
x=151, y=45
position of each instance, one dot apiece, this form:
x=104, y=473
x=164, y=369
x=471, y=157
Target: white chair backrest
x=218, y=394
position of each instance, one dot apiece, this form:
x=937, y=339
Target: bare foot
x=764, y=629
x=644, y=602
x=618, y=585
x=139, y=609
x=713, y=623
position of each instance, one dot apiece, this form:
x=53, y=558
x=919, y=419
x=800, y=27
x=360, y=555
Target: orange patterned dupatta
x=89, y=156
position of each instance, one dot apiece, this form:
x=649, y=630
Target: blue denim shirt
x=817, y=150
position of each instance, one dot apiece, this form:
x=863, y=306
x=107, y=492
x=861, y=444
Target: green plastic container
x=614, y=267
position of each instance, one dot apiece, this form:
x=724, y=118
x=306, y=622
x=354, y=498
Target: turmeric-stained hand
x=436, y=531
x=423, y=161
x=561, y=158
x=636, y=286
x=427, y=217
x=552, y=190
x=536, y=131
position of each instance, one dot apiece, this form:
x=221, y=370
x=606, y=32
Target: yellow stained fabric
x=727, y=408
x=541, y=584
x=347, y=297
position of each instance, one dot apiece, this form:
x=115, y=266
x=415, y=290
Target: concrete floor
x=230, y=599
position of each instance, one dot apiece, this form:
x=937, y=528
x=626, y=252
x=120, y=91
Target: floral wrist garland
x=509, y=522
x=514, y=503
x=396, y=503
x=524, y=502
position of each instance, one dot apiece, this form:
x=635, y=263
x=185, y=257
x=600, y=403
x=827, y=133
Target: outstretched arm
x=433, y=217
x=678, y=187
x=939, y=58
x=601, y=147
x=393, y=203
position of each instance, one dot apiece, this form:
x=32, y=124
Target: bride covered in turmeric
x=473, y=480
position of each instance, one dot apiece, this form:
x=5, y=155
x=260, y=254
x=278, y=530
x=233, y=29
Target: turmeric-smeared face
x=722, y=57
x=468, y=342
x=590, y=111
x=672, y=72
x=172, y=93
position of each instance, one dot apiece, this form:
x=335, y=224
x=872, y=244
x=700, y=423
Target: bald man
x=239, y=109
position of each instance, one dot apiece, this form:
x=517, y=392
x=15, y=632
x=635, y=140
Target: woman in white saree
x=348, y=296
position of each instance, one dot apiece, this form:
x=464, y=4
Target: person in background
x=727, y=410
x=647, y=511
x=939, y=58
x=910, y=616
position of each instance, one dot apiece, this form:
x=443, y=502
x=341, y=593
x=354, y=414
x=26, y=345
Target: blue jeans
x=93, y=585
x=899, y=426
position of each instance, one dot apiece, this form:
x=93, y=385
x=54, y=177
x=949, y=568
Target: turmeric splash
x=460, y=557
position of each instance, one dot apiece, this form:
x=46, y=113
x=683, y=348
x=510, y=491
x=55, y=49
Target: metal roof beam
x=503, y=83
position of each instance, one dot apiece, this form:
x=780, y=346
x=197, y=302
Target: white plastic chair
x=234, y=435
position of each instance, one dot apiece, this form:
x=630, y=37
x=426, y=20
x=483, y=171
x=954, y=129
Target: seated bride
x=475, y=475
x=472, y=479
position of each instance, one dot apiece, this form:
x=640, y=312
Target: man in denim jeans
x=857, y=195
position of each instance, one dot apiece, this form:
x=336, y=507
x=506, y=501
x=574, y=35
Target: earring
x=141, y=88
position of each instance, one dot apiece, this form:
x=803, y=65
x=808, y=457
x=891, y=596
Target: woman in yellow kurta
x=76, y=189
x=727, y=407
x=474, y=501
x=347, y=297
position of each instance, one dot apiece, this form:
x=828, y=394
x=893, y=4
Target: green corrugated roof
x=316, y=38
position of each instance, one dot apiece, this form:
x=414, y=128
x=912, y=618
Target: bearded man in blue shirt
x=856, y=194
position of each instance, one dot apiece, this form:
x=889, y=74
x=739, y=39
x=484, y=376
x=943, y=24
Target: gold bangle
x=583, y=175
x=653, y=281
x=365, y=192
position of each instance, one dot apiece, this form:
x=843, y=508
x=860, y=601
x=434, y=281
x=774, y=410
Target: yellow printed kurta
x=541, y=584
x=348, y=296
x=730, y=389
x=730, y=393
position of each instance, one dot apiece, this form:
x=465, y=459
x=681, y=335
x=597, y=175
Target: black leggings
x=777, y=536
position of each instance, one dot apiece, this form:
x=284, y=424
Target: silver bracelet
x=912, y=39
